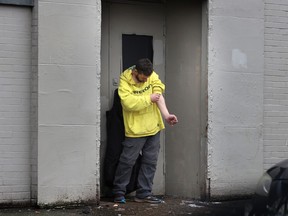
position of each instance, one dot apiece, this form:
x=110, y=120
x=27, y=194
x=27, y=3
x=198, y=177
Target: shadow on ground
x=172, y=206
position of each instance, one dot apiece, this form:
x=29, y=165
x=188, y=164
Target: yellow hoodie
x=141, y=116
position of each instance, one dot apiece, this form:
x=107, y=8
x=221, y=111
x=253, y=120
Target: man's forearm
x=162, y=106
x=171, y=119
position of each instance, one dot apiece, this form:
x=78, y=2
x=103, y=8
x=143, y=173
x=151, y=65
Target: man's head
x=143, y=69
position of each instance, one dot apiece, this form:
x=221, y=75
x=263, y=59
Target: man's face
x=141, y=77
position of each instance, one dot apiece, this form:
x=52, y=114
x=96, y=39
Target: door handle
x=115, y=82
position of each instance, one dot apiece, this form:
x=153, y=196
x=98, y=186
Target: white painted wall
x=235, y=96
x=69, y=101
x=15, y=74
x=275, y=86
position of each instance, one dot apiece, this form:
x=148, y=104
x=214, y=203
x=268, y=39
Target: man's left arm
x=171, y=119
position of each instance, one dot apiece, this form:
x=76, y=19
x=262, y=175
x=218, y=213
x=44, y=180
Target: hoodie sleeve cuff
x=157, y=90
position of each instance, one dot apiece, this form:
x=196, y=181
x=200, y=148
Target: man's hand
x=171, y=119
x=155, y=97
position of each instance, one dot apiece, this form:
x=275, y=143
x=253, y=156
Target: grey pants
x=132, y=147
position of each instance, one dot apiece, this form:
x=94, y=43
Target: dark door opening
x=135, y=47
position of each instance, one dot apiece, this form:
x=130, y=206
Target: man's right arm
x=131, y=102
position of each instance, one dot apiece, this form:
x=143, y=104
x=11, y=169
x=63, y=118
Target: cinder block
x=15, y=69
x=275, y=85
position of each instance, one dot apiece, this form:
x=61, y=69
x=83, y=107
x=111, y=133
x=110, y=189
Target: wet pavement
x=171, y=206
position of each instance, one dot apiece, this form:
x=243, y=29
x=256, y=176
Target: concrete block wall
x=235, y=96
x=15, y=76
x=69, y=35
x=275, y=85
x=245, y=71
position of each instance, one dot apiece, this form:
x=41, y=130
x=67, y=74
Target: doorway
x=130, y=30
x=172, y=34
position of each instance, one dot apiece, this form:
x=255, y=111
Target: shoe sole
x=120, y=201
x=147, y=201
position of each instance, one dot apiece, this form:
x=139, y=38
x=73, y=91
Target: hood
x=279, y=171
x=127, y=76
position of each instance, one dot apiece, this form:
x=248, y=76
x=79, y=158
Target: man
x=140, y=91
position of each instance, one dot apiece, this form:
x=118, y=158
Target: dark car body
x=271, y=196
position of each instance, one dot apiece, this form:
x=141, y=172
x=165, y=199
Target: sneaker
x=148, y=199
x=119, y=198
